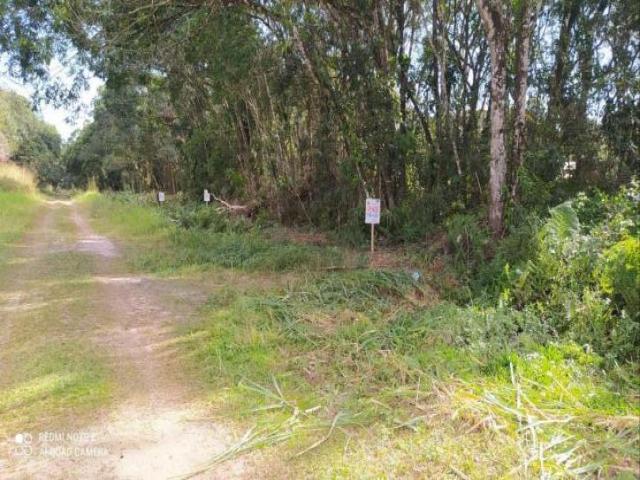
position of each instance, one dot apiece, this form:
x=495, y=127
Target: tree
x=528, y=11
x=27, y=140
x=494, y=22
x=306, y=107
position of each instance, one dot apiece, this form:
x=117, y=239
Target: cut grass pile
x=352, y=367
x=170, y=238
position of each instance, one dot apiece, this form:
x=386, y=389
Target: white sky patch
x=66, y=119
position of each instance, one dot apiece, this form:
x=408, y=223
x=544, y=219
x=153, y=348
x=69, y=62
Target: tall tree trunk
x=436, y=74
x=560, y=71
x=529, y=10
x=401, y=20
x=493, y=21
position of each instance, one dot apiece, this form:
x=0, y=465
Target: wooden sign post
x=372, y=217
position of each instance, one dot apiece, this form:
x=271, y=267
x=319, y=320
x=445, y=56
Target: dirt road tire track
x=156, y=427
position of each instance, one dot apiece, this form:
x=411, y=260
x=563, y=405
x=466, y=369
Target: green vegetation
x=531, y=370
x=28, y=141
x=577, y=271
x=502, y=138
x=301, y=109
x=182, y=237
x=355, y=357
x=17, y=206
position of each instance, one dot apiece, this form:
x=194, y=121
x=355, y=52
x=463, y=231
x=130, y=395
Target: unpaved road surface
x=155, y=427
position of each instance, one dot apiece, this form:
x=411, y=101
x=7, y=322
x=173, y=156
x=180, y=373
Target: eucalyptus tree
x=307, y=106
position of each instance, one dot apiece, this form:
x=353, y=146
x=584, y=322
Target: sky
x=66, y=120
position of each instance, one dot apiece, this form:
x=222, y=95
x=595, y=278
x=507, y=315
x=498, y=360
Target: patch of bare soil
x=156, y=428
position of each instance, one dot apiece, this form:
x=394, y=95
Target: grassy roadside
x=365, y=374
x=18, y=206
x=171, y=239
x=400, y=389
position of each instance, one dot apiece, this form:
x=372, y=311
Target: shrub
x=467, y=239
x=583, y=279
x=619, y=275
x=206, y=217
x=497, y=275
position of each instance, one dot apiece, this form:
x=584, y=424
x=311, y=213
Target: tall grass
x=17, y=204
x=14, y=178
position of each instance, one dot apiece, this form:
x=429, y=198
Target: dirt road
x=67, y=284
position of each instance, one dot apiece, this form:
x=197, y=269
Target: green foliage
x=561, y=227
x=352, y=345
x=28, y=141
x=468, y=241
x=250, y=251
x=128, y=146
x=582, y=279
x=374, y=348
x=535, y=192
x=190, y=236
x=299, y=108
x=358, y=291
x=412, y=220
x=354, y=232
x=206, y=217
x=620, y=275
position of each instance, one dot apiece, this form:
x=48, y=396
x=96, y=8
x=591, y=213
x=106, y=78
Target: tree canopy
x=306, y=107
x=27, y=140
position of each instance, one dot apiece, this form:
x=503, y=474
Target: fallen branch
x=238, y=209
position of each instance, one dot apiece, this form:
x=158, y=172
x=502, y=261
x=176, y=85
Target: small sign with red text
x=372, y=211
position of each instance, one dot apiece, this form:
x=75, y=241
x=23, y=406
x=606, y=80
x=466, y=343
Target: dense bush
x=620, y=275
x=190, y=216
x=577, y=271
x=468, y=241
x=582, y=274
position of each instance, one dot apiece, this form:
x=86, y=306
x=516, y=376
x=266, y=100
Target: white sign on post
x=372, y=211
x=160, y=197
x=207, y=196
x=372, y=217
